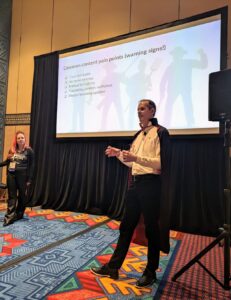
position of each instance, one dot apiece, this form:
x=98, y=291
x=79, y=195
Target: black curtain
x=196, y=184
x=75, y=174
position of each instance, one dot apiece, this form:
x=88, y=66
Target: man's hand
x=112, y=151
x=128, y=156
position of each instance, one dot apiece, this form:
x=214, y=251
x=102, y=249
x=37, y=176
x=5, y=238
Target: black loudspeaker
x=220, y=95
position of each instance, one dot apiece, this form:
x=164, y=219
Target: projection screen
x=100, y=84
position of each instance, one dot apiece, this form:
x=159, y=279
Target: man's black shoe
x=18, y=217
x=147, y=279
x=105, y=271
x=7, y=222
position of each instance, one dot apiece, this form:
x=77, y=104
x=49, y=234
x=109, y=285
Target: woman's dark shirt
x=22, y=161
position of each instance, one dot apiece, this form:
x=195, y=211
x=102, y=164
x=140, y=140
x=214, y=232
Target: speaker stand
x=225, y=230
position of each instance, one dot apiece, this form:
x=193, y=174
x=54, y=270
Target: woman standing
x=20, y=169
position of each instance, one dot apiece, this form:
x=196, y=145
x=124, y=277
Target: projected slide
x=99, y=88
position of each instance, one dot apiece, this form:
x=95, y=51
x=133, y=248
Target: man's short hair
x=151, y=104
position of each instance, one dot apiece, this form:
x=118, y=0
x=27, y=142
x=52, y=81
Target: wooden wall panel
x=190, y=8
x=12, y=92
x=35, y=40
x=9, y=134
x=70, y=23
x=108, y=18
x=149, y=13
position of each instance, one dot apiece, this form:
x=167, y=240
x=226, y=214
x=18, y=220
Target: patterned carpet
x=35, y=232
x=63, y=271
x=66, y=216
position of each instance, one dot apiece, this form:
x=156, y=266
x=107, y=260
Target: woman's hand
x=10, y=156
x=112, y=151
